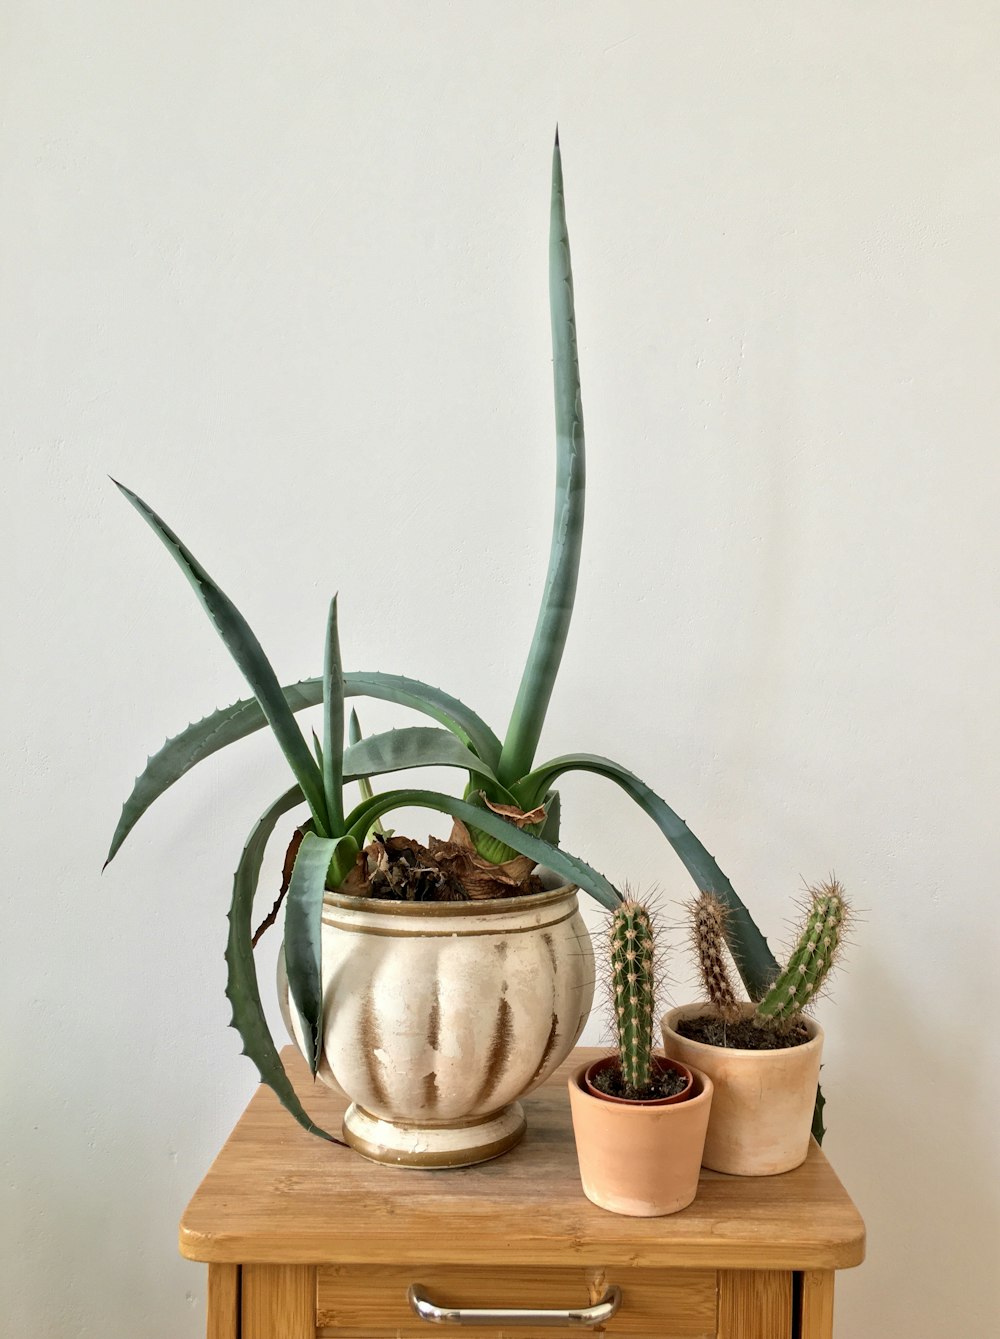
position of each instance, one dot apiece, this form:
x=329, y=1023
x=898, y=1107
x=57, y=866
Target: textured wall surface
x=282, y=268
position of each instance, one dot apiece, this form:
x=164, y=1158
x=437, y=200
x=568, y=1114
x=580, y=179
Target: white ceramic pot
x=438, y=1016
x=762, y=1110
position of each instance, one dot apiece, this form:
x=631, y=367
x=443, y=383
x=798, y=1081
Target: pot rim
x=579, y=1091
x=383, y=906
x=699, y=1010
x=661, y=1062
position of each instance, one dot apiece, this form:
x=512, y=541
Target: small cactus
x=814, y=955
x=633, y=991
x=708, y=934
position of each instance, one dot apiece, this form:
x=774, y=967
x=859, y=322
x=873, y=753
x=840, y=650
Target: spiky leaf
x=303, y=934
x=753, y=958
x=229, y=724
x=415, y=746
x=249, y=655
x=242, y=989
x=568, y=867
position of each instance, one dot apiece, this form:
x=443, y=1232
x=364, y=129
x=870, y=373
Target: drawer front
x=369, y=1302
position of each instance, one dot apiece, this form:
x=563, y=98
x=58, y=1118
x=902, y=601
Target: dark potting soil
x=743, y=1035
x=666, y=1083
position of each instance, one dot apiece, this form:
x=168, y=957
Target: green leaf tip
x=247, y=652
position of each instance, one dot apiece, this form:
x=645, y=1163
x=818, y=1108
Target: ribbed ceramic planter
x=439, y=1016
x=640, y=1158
x=762, y=1112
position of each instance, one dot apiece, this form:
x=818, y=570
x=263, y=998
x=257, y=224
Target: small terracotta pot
x=762, y=1113
x=660, y=1063
x=639, y=1158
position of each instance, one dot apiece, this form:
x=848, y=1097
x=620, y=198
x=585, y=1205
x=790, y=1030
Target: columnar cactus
x=633, y=988
x=708, y=934
x=815, y=953
x=813, y=956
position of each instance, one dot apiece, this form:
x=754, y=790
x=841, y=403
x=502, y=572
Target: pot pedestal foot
x=458, y=1144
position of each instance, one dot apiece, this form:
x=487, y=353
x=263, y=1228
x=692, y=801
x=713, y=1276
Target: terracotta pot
x=438, y=1016
x=639, y=1158
x=660, y=1063
x=763, y=1107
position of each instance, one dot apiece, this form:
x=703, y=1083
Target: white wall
x=282, y=268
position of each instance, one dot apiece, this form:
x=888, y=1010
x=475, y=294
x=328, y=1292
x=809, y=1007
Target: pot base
x=461, y=1144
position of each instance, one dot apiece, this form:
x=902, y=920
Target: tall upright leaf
x=249, y=655
x=333, y=724
x=558, y=596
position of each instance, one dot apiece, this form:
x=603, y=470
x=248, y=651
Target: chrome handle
x=597, y=1314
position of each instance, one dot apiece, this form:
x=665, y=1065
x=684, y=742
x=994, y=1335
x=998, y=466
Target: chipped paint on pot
x=437, y=1017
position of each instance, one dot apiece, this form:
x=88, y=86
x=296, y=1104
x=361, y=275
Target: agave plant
x=332, y=837
x=511, y=804
x=502, y=773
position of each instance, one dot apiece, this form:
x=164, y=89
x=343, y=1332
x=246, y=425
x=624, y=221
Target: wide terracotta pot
x=438, y=1016
x=637, y=1158
x=762, y=1112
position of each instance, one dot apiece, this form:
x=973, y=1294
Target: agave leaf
x=818, y=1127
x=753, y=957
x=556, y=609
x=242, y=989
x=333, y=725
x=303, y=933
x=355, y=736
x=229, y=724
x=553, y=818
x=415, y=746
x=249, y=655
x=568, y=867
x=440, y=706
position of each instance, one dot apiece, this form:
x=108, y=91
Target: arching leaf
x=242, y=989
x=753, y=957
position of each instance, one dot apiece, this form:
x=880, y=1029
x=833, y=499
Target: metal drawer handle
x=598, y=1314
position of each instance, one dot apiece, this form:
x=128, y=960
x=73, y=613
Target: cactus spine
x=633, y=986
x=815, y=953
x=812, y=958
x=709, y=937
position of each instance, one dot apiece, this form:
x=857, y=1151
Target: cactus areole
x=634, y=1073
x=776, y=1020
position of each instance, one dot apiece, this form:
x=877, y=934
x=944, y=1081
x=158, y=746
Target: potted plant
x=510, y=810
x=639, y=1119
x=763, y=1057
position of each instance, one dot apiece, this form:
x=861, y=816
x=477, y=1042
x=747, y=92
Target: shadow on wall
x=909, y=1137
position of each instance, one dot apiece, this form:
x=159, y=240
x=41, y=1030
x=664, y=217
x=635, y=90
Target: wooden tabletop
x=276, y=1195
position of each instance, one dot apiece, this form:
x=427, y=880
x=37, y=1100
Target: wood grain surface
x=755, y=1304
x=276, y=1195
x=675, y=1304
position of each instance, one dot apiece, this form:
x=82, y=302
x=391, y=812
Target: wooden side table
x=304, y=1240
